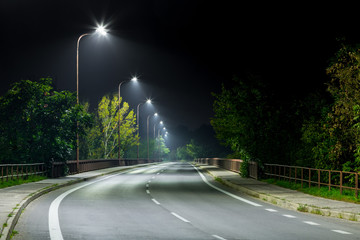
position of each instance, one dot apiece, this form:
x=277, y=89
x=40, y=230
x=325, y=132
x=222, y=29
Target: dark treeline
x=319, y=130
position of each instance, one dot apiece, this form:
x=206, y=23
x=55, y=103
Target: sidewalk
x=286, y=198
x=14, y=199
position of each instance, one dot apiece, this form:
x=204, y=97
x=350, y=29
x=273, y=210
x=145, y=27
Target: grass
x=347, y=196
x=13, y=182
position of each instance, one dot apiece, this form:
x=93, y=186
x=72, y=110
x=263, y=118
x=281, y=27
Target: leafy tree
x=160, y=147
x=102, y=138
x=344, y=87
x=194, y=150
x=38, y=124
x=182, y=154
x=246, y=120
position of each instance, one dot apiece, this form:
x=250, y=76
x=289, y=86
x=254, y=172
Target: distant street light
x=147, y=131
x=134, y=79
x=160, y=123
x=102, y=31
x=138, y=117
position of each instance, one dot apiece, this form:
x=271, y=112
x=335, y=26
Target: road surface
x=167, y=201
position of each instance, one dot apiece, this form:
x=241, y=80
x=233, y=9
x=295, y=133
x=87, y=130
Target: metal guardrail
x=230, y=164
x=59, y=169
x=314, y=176
x=16, y=171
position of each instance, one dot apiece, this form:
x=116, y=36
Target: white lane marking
x=180, y=217
x=289, y=216
x=158, y=173
x=147, y=185
x=218, y=237
x=271, y=210
x=147, y=191
x=54, y=224
x=149, y=181
x=153, y=177
x=156, y=202
x=227, y=193
x=311, y=223
x=340, y=231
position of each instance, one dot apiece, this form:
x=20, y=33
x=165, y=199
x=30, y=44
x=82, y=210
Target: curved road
x=167, y=201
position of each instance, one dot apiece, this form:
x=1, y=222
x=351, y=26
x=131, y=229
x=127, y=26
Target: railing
x=16, y=171
x=313, y=176
x=230, y=164
x=60, y=169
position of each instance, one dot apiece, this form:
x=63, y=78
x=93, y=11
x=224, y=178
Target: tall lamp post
x=102, y=31
x=147, y=131
x=134, y=79
x=138, y=117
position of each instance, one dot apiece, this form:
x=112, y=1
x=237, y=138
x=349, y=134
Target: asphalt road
x=167, y=201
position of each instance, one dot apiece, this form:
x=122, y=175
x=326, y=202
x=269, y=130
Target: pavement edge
x=288, y=204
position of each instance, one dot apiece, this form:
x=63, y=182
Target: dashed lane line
x=288, y=216
x=180, y=217
x=311, y=223
x=218, y=237
x=341, y=232
x=271, y=210
x=155, y=201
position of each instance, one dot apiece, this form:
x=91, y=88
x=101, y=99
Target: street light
x=147, y=131
x=102, y=31
x=148, y=101
x=160, y=123
x=133, y=79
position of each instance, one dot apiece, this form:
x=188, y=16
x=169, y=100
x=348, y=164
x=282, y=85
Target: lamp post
x=102, y=31
x=147, y=131
x=138, y=117
x=134, y=79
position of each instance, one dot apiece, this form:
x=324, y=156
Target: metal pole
x=138, y=116
x=77, y=100
x=119, y=123
x=147, y=131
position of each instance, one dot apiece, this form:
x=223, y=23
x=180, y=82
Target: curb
x=16, y=213
x=288, y=204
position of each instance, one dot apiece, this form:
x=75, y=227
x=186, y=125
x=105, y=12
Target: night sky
x=180, y=50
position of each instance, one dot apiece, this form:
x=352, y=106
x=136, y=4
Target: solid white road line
x=227, y=193
x=289, y=216
x=340, y=231
x=54, y=225
x=218, y=237
x=156, y=202
x=311, y=223
x=271, y=210
x=180, y=217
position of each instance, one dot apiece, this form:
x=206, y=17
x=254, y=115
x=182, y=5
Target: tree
x=103, y=136
x=38, y=124
x=246, y=121
x=182, y=154
x=340, y=125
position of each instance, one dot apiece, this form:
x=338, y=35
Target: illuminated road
x=167, y=201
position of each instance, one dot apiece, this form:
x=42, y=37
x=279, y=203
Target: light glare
x=101, y=30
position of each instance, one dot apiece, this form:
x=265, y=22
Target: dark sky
x=180, y=50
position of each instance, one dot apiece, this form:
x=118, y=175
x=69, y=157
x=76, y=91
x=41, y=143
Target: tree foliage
x=313, y=131
x=102, y=138
x=252, y=122
x=38, y=124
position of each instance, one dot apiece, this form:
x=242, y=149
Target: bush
x=244, y=168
